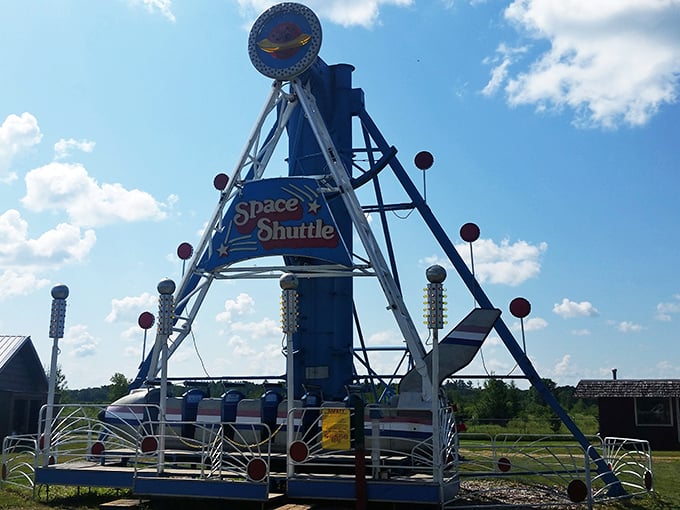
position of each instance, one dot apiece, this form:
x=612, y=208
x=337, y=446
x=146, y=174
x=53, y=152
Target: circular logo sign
x=284, y=41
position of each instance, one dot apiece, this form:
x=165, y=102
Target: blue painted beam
x=94, y=476
x=484, y=302
x=200, y=488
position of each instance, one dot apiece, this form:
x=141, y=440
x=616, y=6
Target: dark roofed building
x=23, y=386
x=637, y=408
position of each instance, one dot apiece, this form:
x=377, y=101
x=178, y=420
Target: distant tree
x=498, y=401
x=99, y=395
x=119, y=386
x=535, y=398
x=61, y=383
x=538, y=406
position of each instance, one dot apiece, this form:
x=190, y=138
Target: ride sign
x=284, y=41
x=280, y=216
x=335, y=428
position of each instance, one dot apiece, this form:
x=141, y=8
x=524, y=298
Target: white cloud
x=493, y=341
x=78, y=342
x=387, y=337
x=664, y=311
x=63, y=242
x=15, y=283
x=610, y=61
x=665, y=369
x=628, y=327
x=64, y=147
x=164, y=7
x=568, y=309
x=242, y=305
x=246, y=358
x=580, y=332
x=132, y=352
x=504, y=263
x=240, y=347
x=364, y=13
x=17, y=133
x=128, y=308
x=132, y=333
x=563, y=367
x=509, y=264
x=531, y=324
x=68, y=187
x=506, y=56
x=22, y=258
x=262, y=329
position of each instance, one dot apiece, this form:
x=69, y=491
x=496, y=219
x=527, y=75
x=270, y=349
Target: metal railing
x=19, y=460
x=631, y=462
x=217, y=451
x=78, y=434
x=532, y=471
x=398, y=445
x=548, y=470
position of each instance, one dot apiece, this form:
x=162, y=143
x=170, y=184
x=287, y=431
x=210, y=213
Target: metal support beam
x=387, y=282
x=484, y=302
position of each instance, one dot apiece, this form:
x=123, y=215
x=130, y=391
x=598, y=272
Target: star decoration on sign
x=223, y=250
x=313, y=207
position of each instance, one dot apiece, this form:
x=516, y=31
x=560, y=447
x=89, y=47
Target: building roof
x=12, y=345
x=627, y=388
x=9, y=346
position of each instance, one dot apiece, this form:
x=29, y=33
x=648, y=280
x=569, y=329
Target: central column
x=324, y=340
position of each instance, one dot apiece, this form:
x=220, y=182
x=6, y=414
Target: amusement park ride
x=336, y=429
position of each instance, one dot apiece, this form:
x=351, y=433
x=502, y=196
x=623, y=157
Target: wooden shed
x=637, y=408
x=23, y=386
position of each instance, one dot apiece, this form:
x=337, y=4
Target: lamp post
x=57, y=318
x=435, y=321
x=166, y=315
x=289, y=324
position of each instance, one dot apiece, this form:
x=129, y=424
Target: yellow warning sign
x=335, y=428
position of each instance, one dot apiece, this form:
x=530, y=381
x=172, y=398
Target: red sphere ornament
x=504, y=464
x=146, y=320
x=520, y=307
x=185, y=251
x=298, y=451
x=469, y=232
x=149, y=444
x=220, y=181
x=97, y=448
x=423, y=160
x=257, y=469
x=577, y=491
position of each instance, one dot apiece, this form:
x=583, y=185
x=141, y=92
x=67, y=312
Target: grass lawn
x=66, y=498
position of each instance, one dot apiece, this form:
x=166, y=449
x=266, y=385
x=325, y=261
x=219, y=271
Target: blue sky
x=554, y=127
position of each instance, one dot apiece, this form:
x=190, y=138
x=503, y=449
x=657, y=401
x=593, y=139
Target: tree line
x=500, y=404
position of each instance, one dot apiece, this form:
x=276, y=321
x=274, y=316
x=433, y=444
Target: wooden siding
x=21, y=372
x=617, y=419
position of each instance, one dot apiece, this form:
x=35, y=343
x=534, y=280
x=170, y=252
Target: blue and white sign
x=281, y=216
